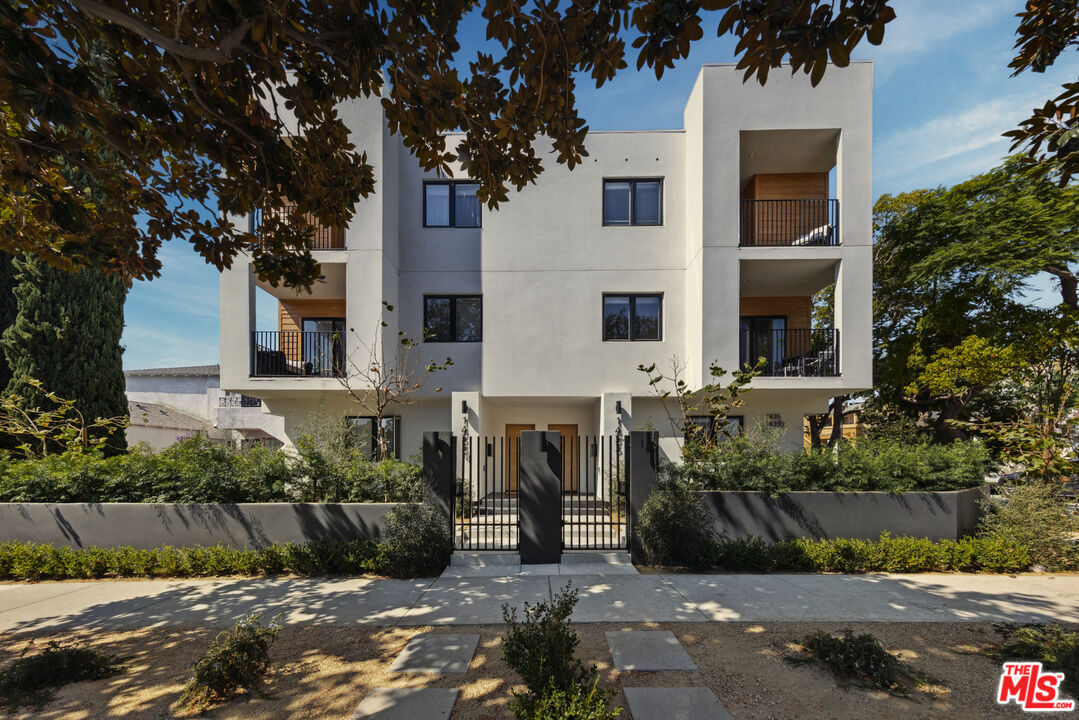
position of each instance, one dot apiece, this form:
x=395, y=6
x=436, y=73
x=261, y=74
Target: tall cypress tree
x=66, y=334
x=8, y=309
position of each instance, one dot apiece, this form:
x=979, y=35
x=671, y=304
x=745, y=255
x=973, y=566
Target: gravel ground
x=324, y=672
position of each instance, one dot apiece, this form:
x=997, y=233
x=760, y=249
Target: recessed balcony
x=324, y=238
x=789, y=223
x=297, y=354
x=790, y=352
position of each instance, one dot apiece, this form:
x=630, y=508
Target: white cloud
x=922, y=26
x=935, y=147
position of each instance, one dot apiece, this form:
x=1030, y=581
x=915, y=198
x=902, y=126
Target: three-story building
x=705, y=244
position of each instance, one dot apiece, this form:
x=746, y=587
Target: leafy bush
x=337, y=466
x=1035, y=516
x=540, y=648
x=419, y=539
x=196, y=470
x=674, y=526
x=579, y=702
x=756, y=462
x=30, y=561
x=860, y=658
x=886, y=554
x=237, y=660
x=30, y=679
x=1055, y=647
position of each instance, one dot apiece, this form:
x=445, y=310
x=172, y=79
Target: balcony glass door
x=324, y=345
x=763, y=337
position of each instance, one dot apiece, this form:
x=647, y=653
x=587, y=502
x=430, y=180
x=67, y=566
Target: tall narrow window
x=633, y=317
x=448, y=203
x=633, y=202
x=453, y=318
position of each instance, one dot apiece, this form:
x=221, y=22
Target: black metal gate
x=486, y=511
x=486, y=514
x=594, y=487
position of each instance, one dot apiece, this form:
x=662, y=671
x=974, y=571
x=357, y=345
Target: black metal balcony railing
x=791, y=223
x=792, y=353
x=293, y=353
x=240, y=401
x=325, y=238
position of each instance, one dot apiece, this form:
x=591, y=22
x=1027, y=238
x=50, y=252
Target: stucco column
x=237, y=288
x=465, y=414
x=611, y=424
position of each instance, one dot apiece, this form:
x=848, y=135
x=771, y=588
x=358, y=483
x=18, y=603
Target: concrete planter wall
x=150, y=525
x=863, y=515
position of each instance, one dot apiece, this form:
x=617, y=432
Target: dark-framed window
x=633, y=201
x=451, y=203
x=366, y=435
x=709, y=429
x=763, y=336
x=633, y=317
x=453, y=318
x=323, y=344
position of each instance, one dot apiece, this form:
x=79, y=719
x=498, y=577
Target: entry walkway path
x=604, y=597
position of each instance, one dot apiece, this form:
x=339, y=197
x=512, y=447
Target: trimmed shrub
x=540, y=648
x=31, y=679
x=858, y=658
x=756, y=462
x=30, y=561
x=237, y=660
x=579, y=702
x=419, y=540
x=886, y=554
x=1055, y=647
x=196, y=470
x=674, y=526
x=1036, y=516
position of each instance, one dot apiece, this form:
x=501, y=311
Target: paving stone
x=441, y=653
x=682, y=703
x=406, y=704
x=648, y=650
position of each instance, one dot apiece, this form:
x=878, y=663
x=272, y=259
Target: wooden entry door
x=571, y=450
x=513, y=441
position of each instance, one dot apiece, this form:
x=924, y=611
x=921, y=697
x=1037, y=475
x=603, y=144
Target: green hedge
x=755, y=462
x=196, y=470
x=888, y=554
x=30, y=561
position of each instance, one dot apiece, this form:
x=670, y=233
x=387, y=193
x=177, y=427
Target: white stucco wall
x=543, y=261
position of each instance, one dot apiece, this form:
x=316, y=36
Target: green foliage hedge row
x=887, y=554
x=196, y=470
x=755, y=462
x=31, y=561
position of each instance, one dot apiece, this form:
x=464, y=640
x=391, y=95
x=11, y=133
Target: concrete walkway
x=621, y=598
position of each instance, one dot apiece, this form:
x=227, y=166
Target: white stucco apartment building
x=703, y=243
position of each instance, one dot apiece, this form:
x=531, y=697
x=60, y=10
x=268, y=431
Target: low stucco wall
x=862, y=515
x=149, y=525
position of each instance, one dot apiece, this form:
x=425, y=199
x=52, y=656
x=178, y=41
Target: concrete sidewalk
x=603, y=598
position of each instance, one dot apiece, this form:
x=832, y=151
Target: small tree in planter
x=380, y=376
x=715, y=399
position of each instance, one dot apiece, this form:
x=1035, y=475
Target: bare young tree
x=379, y=375
x=714, y=399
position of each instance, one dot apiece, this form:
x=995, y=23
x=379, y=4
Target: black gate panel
x=594, y=493
x=486, y=511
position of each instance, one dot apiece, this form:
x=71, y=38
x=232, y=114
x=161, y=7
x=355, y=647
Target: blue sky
x=943, y=96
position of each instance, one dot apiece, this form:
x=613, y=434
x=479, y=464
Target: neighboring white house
x=168, y=404
x=705, y=243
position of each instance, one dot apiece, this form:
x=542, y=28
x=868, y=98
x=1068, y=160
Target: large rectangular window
x=710, y=430
x=367, y=437
x=633, y=317
x=453, y=318
x=449, y=203
x=633, y=202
